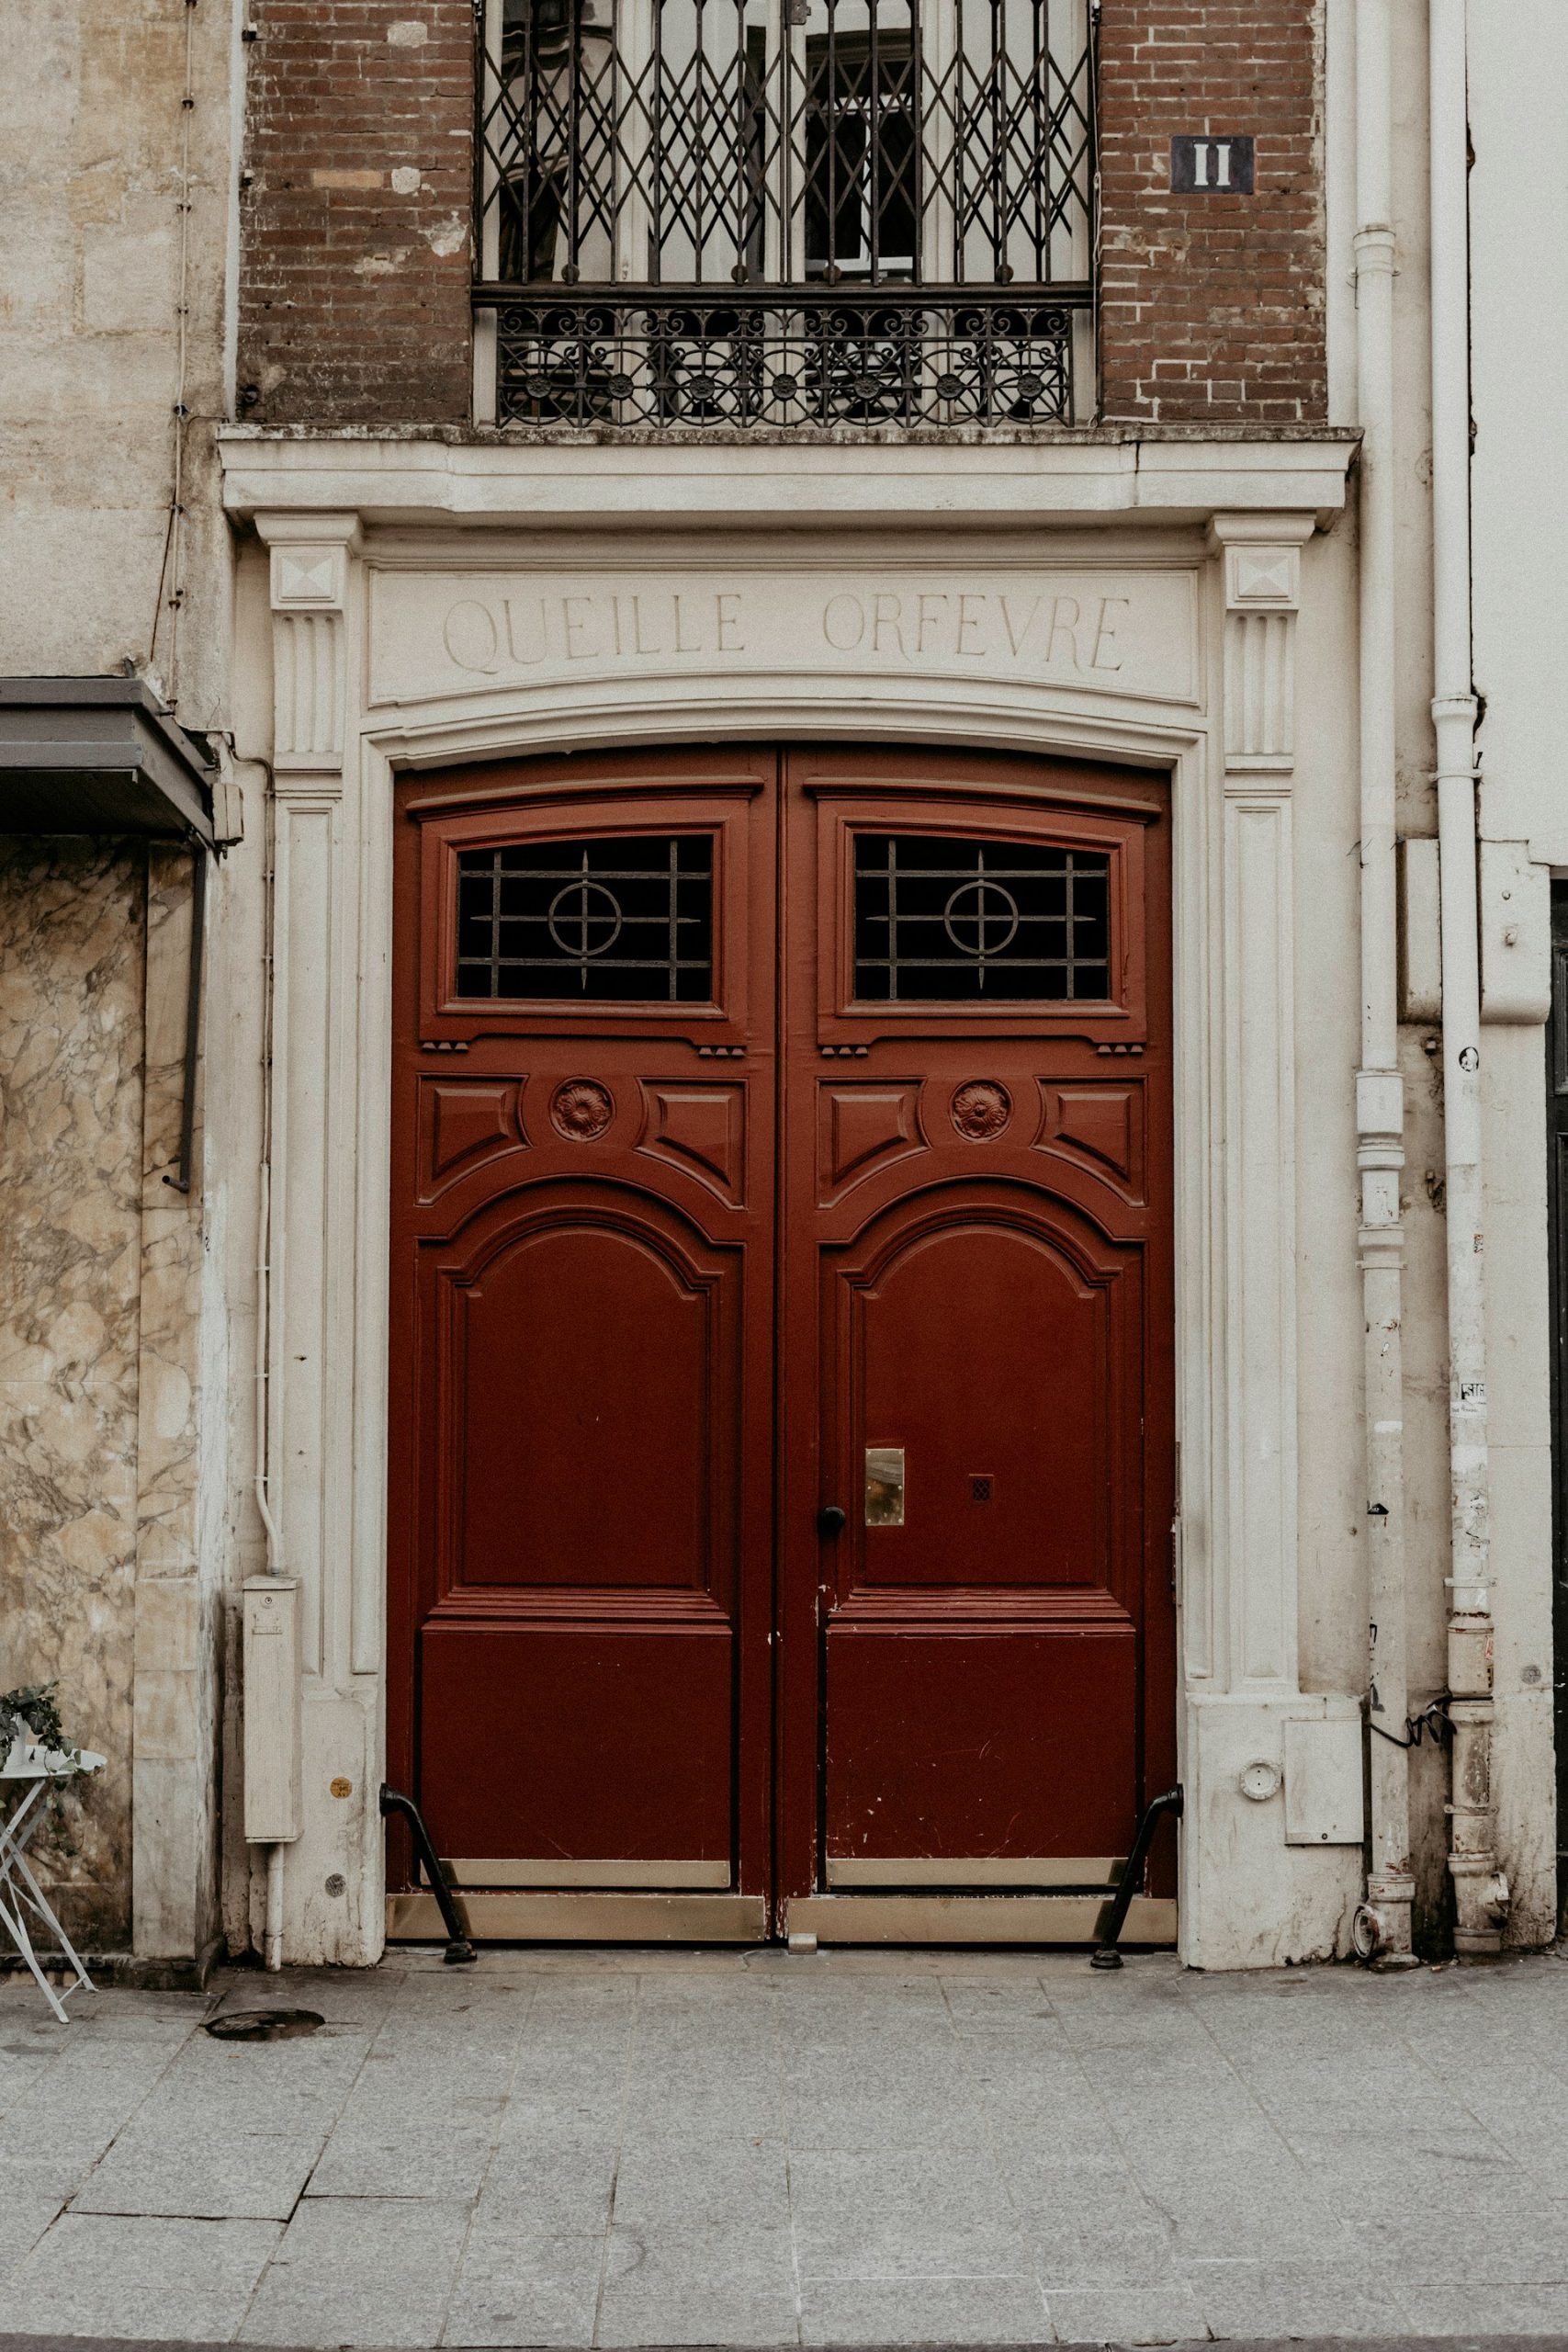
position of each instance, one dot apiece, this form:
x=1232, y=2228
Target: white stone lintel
x=1106, y=474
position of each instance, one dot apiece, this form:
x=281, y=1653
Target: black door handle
x=831, y=1520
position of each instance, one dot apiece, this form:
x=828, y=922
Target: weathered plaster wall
x=92, y=131
x=1518, y=61
x=1520, y=297
x=72, y=949
x=116, y=206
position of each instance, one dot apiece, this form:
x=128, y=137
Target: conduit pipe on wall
x=1481, y=1893
x=271, y=1935
x=272, y=1939
x=1382, y=1924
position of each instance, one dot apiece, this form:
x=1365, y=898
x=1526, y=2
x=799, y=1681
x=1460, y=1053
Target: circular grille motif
x=982, y=1110
x=584, y=918
x=981, y=918
x=581, y=1110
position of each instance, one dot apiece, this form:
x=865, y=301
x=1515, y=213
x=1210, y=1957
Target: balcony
x=777, y=215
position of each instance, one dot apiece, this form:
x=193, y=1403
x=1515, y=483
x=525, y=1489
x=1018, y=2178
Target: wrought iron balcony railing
x=776, y=214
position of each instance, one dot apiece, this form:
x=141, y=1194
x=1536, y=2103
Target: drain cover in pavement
x=262, y=2025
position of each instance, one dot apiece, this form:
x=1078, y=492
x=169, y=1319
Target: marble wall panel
x=175, y=1698
x=73, y=935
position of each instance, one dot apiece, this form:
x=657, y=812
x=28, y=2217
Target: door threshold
x=945, y=1875
x=513, y=1916
x=552, y=1876
x=976, y=1918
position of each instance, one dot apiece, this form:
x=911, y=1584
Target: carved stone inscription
x=1110, y=632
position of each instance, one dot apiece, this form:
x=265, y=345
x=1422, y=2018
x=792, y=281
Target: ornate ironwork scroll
x=772, y=361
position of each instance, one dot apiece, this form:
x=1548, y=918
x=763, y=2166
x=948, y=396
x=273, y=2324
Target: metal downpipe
x=1481, y=1893
x=1382, y=1924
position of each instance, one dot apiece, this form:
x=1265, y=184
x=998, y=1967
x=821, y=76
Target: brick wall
x=1212, y=308
x=356, y=223
x=353, y=291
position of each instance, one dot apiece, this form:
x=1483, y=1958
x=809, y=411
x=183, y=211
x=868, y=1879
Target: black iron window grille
x=624, y=919
x=784, y=213
x=950, y=922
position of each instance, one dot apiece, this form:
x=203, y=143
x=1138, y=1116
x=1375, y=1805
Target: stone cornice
x=1105, y=476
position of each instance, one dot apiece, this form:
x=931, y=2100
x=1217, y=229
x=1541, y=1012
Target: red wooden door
x=940, y=1304
x=581, y=1413
x=978, y=1299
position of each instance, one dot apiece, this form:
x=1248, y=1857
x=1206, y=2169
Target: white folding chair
x=35, y=1769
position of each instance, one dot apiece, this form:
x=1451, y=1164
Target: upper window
x=786, y=211
x=938, y=919
x=624, y=919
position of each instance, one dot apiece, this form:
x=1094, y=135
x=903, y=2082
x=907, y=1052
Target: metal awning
x=99, y=755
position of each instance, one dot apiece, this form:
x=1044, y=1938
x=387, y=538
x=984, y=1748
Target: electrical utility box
x=272, y=1710
x=1322, y=1782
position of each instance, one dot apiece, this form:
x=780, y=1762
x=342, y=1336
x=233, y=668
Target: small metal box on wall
x=1323, y=1796
x=272, y=1710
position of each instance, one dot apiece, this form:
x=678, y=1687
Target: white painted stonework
x=1083, y=631
x=1167, y=636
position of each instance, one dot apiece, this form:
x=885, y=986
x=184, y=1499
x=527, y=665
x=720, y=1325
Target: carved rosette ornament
x=982, y=1110
x=581, y=1110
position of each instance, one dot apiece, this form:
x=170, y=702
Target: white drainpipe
x=1481, y=1893
x=1382, y=1924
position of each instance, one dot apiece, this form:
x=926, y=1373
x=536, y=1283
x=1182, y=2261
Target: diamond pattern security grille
x=624, y=920
x=962, y=921
x=780, y=212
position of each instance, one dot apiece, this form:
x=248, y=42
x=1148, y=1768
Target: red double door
x=782, y=1398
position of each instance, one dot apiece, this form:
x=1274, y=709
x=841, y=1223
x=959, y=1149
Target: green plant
x=31, y=1712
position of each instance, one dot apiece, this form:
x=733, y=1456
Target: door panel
x=978, y=1269
x=969, y=1745
x=582, y=1313
x=560, y=1743
x=622, y=1390
x=957, y=1340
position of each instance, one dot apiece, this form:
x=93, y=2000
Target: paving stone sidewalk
x=617, y=2148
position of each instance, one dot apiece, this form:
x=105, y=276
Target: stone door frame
x=344, y=729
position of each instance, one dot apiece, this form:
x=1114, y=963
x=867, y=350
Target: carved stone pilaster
x=315, y=598
x=1262, y=569
x=310, y=586
x=1260, y=578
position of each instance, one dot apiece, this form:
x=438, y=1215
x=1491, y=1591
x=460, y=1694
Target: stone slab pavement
x=634, y=2148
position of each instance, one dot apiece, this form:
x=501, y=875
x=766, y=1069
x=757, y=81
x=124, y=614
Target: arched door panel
x=978, y=1663
x=581, y=1504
